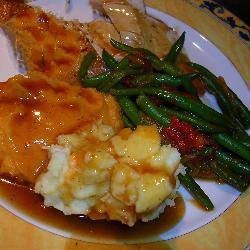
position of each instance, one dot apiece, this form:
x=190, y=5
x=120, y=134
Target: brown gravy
x=31, y=204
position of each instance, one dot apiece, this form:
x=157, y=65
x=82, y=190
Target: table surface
x=230, y=231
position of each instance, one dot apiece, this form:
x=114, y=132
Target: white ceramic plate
x=200, y=50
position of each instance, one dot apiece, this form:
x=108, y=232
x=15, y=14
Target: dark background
x=240, y=8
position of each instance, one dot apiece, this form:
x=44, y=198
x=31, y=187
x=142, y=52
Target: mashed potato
x=125, y=177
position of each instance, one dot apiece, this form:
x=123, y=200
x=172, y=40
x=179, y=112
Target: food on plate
x=35, y=110
x=137, y=4
x=130, y=25
x=107, y=176
x=62, y=129
x=153, y=90
x=99, y=33
x=96, y=168
x=46, y=43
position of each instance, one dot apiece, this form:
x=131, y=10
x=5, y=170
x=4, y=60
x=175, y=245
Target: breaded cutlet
x=46, y=43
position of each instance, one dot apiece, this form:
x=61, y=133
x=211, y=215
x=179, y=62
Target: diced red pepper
x=183, y=136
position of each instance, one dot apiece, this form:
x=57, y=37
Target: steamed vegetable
x=195, y=190
x=178, y=100
x=148, y=108
x=227, y=99
x=175, y=49
x=130, y=110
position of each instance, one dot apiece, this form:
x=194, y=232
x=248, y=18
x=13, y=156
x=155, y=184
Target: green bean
x=195, y=121
x=86, y=63
x=180, y=101
x=237, y=127
x=151, y=57
x=103, y=77
x=114, y=78
x=127, y=122
x=233, y=145
x=190, y=76
x=224, y=101
x=126, y=92
x=244, y=142
x=148, y=78
x=190, y=105
x=216, y=89
x=96, y=80
x=109, y=60
x=158, y=64
x=167, y=67
x=121, y=46
x=152, y=111
x=243, y=137
x=241, y=110
x=237, y=165
x=229, y=177
x=204, y=71
x=188, y=86
x=247, y=144
x=129, y=61
x=175, y=49
x=195, y=190
x=129, y=109
x=237, y=106
x=158, y=78
x=124, y=63
x=227, y=109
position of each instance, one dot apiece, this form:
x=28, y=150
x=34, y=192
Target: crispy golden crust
x=48, y=44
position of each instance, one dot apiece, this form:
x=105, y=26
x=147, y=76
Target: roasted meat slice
x=134, y=26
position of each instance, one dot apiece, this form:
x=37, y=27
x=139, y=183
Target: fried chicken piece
x=35, y=110
x=47, y=44
x=125, y=176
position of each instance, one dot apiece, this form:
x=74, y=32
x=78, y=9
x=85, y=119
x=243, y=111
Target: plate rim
x=230, y=61
x=219, y=12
